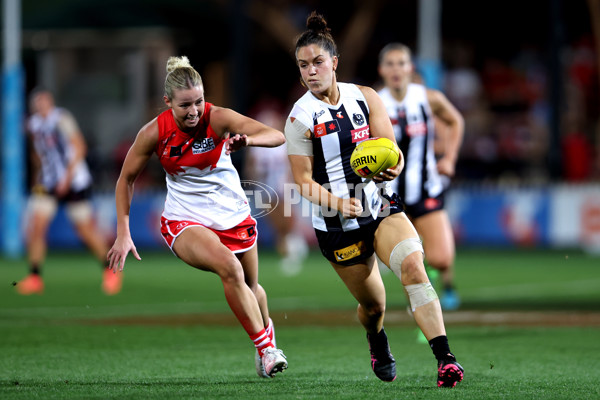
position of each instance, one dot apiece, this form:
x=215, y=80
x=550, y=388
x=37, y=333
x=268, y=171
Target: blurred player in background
x=269, y=165
x=206, y=219
x=414, y=111
x=60, y=176
x=355, y=219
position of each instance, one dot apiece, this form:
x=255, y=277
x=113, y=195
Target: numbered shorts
x=238, y=239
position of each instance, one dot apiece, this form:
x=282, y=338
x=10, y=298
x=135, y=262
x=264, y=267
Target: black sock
x=34, y=269
x=378, y=340
x=441, y=349
x=382, y=336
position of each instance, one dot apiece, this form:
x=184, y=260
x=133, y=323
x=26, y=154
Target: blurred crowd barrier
x=557, y=216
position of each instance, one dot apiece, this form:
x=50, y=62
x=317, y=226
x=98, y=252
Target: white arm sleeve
x=298, y=140
x=67, y=124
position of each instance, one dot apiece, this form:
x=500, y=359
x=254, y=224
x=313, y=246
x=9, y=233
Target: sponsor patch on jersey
x=317, y=114
x=417, y=129
x=202, y=146
x=350, y=252
x=175, y=151
x=246, y=233
x=326, y=128
x=358, y=119
x=431, y=203
x=364, y=171
x=180, y=225
x=358, y=135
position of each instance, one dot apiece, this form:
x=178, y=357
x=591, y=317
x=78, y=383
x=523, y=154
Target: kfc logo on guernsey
x=416, y=129
x=358, y=135
x=202, y=146
x=326, y=128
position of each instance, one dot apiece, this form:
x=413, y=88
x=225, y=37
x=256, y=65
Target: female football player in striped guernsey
x=61, y=175
x=424, y=180
x=206, y=219
x=355, y=219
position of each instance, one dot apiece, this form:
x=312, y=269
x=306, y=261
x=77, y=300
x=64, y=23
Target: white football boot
x=260, y=370
x=273, y=361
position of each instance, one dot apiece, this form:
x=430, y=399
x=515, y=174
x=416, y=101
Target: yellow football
x=372, y=156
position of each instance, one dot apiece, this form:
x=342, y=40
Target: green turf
x=59, y=345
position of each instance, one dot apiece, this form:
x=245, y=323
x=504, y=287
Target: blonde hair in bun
x=180, y=75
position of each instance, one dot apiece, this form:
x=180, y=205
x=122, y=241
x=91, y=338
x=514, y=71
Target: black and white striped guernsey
x=51, y=137
x=413, y=124
x=336, y=130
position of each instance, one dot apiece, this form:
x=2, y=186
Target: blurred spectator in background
x=581, y=110
x=271, y=167
x=422, y=183
x=506, y=134
x=462, y=83
x=60, y=176
x=464, y=88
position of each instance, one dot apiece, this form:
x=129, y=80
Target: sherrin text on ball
x=372, y=156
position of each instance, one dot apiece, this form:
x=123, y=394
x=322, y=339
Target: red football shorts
x=238, y=239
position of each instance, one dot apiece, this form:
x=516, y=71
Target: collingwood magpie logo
x=202, y=146
x=358, y=119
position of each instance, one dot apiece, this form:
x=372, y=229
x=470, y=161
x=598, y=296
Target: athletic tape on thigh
x=420, y=294
x=80, y=211
x=43, y=204
x=401, y=251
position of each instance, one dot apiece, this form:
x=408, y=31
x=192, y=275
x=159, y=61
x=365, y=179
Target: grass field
x=169, y=334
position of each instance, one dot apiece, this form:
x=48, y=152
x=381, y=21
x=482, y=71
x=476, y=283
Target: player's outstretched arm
x=135, y=161
x=244, y=131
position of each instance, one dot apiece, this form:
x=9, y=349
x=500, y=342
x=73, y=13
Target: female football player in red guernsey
x=206, y=219
x=353, y=219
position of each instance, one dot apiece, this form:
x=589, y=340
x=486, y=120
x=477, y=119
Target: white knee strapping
x=43, y=204
x=401, y=251
x=420, y=294
x=80, y=211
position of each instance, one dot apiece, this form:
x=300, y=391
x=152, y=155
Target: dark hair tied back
x=316, y=22
x=317, y=33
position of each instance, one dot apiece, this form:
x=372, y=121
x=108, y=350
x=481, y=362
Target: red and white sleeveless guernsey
x=203, y=186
